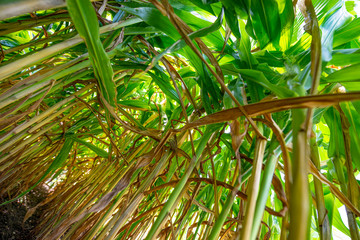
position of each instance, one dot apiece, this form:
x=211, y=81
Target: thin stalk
x=177, y=190
x=352, y=186
x=264, y=193
x=253, y=189
x=14, y=67
x=219, y=220
x=205, y=231
x=216, y=194
x=138, y=196
x=19, y=7
x=284, y=227
x=39, y=118
x=323, y=219
x=269, y=173
x=190, y=210
x=45, y=75
x=344, y=188
x=30, y=23
x=25, y=142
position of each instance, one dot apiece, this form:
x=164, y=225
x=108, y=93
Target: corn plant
x=201, y=119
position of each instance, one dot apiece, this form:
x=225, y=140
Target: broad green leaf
x=125, y=90
x=348, y=74
x=265, y=21
x=232, y=20
x=100, y=152
x=134, y=103
x=165, y=86
x=347, y=32
x=201, y=4
x=210, y=92
x=243, y=45
x=199, y=33
x=352, y=115
x=337, y=219
x=235, y=88
x=259, y=78
x=286, y=12
x=338, y=17
x=154, y=18
x=336, y=143
x=272, y=58
x=85, y=20
x=241, y=7
x=345, y=57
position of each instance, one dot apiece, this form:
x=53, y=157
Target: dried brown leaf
x=261, y=108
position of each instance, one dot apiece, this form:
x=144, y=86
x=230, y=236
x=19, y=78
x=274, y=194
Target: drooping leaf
x=100, y=152
x=84, y=17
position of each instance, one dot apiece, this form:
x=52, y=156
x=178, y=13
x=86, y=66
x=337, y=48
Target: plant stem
x=177, y=190
x=299, y=195
x=352, y=186
x=323, y=219
x=253, y=189
x=264, y=193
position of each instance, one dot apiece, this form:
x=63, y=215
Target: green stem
x=299, y=193
x=350, y=215
x=264, y=193
x=352, y=186
x=323, y=219
x=253, y=190
x=215, y=231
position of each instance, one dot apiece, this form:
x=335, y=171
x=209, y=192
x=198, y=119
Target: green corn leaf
x=98, y=151
x=348, y=74
x=258, y=78
x=347, y=33
x=344, y=57
x=134, y=104
x=199, y=33
x=265, y=18
x=83, y=15
x=166, y=87
x=335, y=20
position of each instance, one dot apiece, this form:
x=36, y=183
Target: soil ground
x=12, y=215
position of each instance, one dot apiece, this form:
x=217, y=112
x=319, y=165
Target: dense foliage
x=182, y=119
